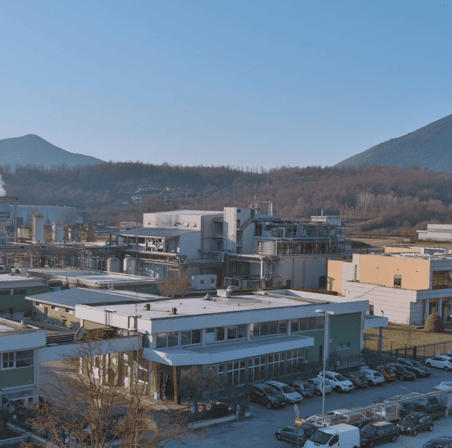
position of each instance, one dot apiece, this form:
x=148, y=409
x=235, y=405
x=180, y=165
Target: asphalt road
x=258, y=431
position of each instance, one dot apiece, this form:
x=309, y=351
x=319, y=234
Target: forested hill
x=34, y=150
x=387, y=198
x=428, y=147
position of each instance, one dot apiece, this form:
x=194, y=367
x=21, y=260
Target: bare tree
x=89, y=406
x=197, y=381
x=175, y=284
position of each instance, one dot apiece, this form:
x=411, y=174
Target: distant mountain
x=33, y=150
x=428, y=147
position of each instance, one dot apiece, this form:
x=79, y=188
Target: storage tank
x=113, y=265
x=57, y=233
x=74, y=234
x=130, y=266
x=93, y=263
x=38, y=228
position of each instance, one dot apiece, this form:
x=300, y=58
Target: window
x=307, y=324
x=218, y=369
x=294, y=357
x=201, y=282
x=256, y=368
x=343, y=346
x=276, y=361
x=219, y=334
x=397, y=281
x=190, y=337
x=442, y=279
x=19, y=291
x=11, y=360
x=261, y=329
x=235, y=373
x=167, y=340
x=5, y=292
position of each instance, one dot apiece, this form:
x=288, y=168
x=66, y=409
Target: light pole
x=325, y=340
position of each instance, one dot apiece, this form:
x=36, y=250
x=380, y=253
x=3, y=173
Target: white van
x=343, y=436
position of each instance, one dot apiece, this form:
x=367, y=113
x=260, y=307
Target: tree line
x=382, y=198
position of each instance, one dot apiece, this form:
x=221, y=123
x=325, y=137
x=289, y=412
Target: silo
x=38, y=228
x=130, y=266
x=113, y=265
x=74, y=234
x=57, y=233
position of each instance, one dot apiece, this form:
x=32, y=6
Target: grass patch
x=401, y=336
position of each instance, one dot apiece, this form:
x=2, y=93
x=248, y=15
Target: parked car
x=402, y=373
x=415, y=423
x=445, y=385
x=295, y=434
x=440, y=362
x=303, y=387
x=338, y=381
x=216, y=408
x=374, y=378
x=377, y=433
x=359, y=381
x=439, y=442
x=387, y=372
x=292, y=397
x=414, y=366
x=317, y=383
x=266, y=395
x=419, y=403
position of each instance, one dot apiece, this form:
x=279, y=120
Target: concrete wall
x=190, y=245
x=380, y=270
x=302, y=271
x=395, y=302
x=18, y=302
x=335, y=275
x=345, y=329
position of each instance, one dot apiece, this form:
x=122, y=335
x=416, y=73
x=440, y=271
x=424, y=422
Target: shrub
x=434, y=324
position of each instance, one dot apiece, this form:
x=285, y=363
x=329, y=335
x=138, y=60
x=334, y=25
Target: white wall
x=303, y=271
x=190, y=245
x=24, y=341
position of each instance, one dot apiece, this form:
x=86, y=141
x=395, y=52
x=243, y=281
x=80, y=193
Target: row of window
x=15, y=360
x=237, y=332
x=17, y=291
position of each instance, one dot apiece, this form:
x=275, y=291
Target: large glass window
x=256, y=368
x=11, y=360
x=268, y=328
x=219, y=333
x=276, y=362
x=442, y=279
x=235, y=374
x=190, y=337
x=307, y=324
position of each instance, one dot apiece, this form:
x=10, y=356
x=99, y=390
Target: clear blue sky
x=243, y=83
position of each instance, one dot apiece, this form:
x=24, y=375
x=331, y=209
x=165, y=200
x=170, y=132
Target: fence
x=417, y=352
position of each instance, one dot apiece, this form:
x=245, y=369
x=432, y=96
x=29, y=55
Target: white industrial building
x=242, y=247
x=436, y=232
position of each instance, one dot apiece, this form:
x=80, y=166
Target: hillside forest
x=384, y=200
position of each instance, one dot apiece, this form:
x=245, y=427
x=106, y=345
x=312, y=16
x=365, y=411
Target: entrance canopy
x=227, y=351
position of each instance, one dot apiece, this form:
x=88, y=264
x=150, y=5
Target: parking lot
x=259, y=429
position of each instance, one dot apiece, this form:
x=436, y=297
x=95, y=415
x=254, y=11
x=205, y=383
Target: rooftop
x=9, y=327
x=15, y=278
x=161, y=309
x=80, y=296
x=91, y=278
x=188, y=212
x=157, y=232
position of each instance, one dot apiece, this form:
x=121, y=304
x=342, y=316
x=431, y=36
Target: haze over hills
x=34, y=150
x=428, y=147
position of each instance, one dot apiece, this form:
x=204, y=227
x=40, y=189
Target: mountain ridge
x=427, y=147
x=33, y=150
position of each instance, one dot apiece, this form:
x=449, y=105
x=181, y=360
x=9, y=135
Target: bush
x=434, y=324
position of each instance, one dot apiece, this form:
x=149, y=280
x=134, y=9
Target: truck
x=343, y=436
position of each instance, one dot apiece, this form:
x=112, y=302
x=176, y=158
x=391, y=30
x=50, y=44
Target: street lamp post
x=325, y=340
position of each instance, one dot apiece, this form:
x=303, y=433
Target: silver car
x=295, y=434
x=318, y=385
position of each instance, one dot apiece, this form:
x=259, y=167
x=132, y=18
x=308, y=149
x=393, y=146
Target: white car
x=318, y=385
x=373, y=377
x=291, y=395
x=441, y=362
x=338, y=381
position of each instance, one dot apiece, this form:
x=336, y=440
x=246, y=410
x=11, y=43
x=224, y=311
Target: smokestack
x=2, y=190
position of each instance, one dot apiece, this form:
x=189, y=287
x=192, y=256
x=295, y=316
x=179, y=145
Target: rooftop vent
x=147, y=307
x=174, y=310
x=207, y=297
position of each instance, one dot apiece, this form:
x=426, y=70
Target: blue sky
x=242, y=83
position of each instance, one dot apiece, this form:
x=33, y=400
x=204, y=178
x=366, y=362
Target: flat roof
x=187, y=212
x=15, y=278
x=162, y=309
x=93, y=297
x=9, y=327
x=92, y=278
x=157, y=232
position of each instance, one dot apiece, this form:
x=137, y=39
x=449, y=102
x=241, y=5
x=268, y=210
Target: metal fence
x=417, y=352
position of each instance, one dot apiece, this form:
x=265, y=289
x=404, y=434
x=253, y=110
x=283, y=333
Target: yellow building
x=406, y=285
